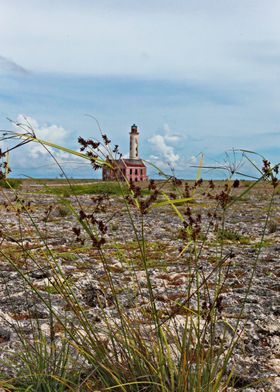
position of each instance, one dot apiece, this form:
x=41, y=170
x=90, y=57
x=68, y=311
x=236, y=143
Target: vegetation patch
x=13, y=183
x=231, y=235
x=99, y=188
x=141, y=308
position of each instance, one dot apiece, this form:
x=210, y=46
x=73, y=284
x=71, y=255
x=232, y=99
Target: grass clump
x=63, y=211
x=273, y=226
x=45, y=367
x=113, y=334
x=231, y=235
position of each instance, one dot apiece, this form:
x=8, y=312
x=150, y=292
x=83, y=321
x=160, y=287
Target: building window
x=130, y=171
x=141, y=171
x=136, y=171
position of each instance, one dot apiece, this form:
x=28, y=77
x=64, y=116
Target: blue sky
x=195, y=76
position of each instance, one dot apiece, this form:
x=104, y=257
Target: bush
x=10, y=183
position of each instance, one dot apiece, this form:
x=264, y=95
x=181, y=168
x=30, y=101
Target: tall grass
x=185, y=347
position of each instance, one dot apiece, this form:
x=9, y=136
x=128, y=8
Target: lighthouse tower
x=132, y=169
x=133, y=150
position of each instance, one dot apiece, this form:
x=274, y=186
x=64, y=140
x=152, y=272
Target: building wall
x=110, y=174
x=136, y=173
x=132, y=173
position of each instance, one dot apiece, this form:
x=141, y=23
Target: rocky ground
x=37, y=222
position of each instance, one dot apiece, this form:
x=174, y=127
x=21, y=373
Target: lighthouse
x=133, y=148
x=132, y=169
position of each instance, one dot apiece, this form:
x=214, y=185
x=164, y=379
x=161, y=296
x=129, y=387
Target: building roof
x=134, y=162
x=128, y=162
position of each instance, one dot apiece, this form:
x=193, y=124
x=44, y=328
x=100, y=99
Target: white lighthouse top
x=134, y=129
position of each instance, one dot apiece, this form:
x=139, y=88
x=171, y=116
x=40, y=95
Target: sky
x=196, y=76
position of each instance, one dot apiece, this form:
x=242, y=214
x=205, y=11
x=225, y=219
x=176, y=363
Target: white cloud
x=51, y=133
x=172, y=138
x=33, y=155
x=158, y=163
x=166, y=145
x=167, y=152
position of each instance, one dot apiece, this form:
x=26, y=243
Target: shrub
x=10, y=183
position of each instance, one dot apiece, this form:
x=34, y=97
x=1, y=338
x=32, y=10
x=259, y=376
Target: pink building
x=133, y=168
